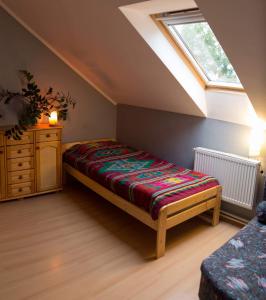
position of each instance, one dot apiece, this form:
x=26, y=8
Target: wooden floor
x=75, y=245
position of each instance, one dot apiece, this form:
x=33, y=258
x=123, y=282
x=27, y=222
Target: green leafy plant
x=208, y=52
x=35, y=104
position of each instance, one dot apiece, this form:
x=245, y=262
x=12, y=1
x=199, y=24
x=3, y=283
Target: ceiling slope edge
x=54, y=51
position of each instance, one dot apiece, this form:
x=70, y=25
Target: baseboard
x=231, y=218
x=225, y=216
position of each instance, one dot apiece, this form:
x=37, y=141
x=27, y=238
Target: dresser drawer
x=20, y=151
x=18, y=164
x=26, y=138
x=20, y=176
x=48, y=135
x=20, y=189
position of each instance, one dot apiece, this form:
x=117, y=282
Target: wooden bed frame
x=169, y=216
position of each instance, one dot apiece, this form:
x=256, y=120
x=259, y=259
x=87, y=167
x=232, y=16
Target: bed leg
x=64, y=176
x=161, y=233
x=216, y=210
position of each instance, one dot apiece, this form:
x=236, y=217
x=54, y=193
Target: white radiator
x=237, y=175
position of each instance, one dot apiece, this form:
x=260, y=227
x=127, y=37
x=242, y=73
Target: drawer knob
x=37, y=148
x=20, y=177
x=1, y=152
x=19, y=151
x=48, y=135
x=20, y=164
x=20, y=190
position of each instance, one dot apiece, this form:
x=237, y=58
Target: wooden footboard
x=170, y=215
x=175, y=213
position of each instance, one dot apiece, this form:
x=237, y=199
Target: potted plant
x=35, y=104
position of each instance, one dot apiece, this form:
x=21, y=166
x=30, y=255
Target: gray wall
x=173, y=136
x=93, y=117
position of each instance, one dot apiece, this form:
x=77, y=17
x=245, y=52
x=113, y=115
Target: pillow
x=261, y=212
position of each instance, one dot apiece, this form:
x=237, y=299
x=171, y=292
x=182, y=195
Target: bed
x=237, y=270
x=158, y=193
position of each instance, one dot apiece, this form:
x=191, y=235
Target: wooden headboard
x=66, y=146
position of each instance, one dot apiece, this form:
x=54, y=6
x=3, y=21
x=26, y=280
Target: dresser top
x=37, y=127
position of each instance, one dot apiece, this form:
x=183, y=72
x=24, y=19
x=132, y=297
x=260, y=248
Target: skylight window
x=194, y=36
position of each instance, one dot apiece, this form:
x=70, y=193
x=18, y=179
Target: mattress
x=238, y=269
x=136, y=175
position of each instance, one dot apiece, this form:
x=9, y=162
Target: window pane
x=207, y=52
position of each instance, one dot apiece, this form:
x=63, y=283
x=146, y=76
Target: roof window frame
x=162, y=20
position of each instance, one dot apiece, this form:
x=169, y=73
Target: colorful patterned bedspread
x=237, y=271
x=136, y=175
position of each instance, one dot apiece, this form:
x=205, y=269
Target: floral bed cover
x=238, y=269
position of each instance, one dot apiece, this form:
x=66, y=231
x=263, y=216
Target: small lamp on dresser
x=53, y=118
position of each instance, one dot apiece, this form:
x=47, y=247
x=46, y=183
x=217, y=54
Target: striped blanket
x=136, y=175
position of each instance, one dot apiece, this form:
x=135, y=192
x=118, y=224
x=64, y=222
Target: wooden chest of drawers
x=32, y=165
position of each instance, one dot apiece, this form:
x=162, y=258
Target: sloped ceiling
x=96, y=39
x=240, y=26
